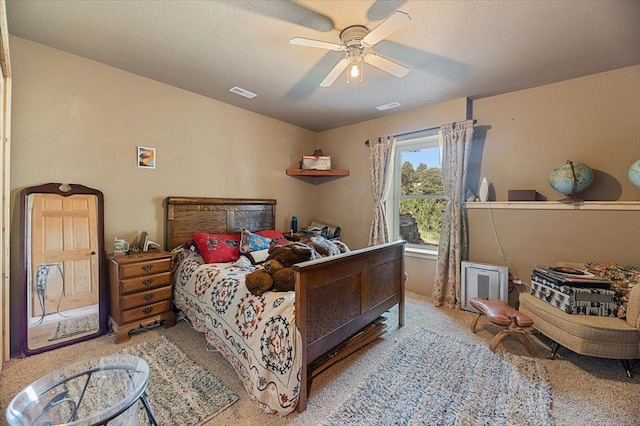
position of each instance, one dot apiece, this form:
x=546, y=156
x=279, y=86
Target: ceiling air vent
x=239, y=91
x=388, y=106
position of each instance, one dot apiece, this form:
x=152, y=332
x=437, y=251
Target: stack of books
x=574, y=291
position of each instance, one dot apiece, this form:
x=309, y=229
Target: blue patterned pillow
x=250, y=242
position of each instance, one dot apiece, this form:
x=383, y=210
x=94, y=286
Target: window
x=417, y=196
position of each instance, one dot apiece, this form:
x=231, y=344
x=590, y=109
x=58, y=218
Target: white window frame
x=427, y=139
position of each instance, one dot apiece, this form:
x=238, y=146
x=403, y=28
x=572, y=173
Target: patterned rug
x=179, y=391
x=74, y=326
x=431, y=379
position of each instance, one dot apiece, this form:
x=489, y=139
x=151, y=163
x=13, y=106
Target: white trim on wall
x=5, y=151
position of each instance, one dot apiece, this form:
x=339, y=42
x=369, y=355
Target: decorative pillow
x=217, y=248
x=624, y=278
x=253, y=242
x=275, y=236
x=255, y=246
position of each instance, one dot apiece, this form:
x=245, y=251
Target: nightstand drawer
x=141, y=291
x=145, y=268
x=144, y=282
x=146, y=297
x=145, y=311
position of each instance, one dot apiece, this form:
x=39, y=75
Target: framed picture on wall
x=146, y=157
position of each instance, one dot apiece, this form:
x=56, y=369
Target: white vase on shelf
x=484, y=190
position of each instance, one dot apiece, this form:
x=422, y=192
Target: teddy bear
x=283, y=278
x=276, y=273
x=291, y=253
x=273, y=277
x=258, y=282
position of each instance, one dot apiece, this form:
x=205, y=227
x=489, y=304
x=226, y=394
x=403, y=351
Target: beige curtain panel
x=380, y=171
x=455, y=146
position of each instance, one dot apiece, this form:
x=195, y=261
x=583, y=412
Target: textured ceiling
x=453, y=48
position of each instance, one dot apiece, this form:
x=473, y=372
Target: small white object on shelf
x=470, y=196
x=484, y=190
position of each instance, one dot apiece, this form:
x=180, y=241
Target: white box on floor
x=484, y=281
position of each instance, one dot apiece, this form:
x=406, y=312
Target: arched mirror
x=63, y=287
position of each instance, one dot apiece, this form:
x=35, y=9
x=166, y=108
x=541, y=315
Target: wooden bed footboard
x=338, y=299
x=338, y=296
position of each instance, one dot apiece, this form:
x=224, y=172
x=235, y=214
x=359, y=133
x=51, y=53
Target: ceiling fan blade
x=287, y=10
x=386, y=65
x=386, y=28
x=334, y=73
x=316, y=43
x=380, y=9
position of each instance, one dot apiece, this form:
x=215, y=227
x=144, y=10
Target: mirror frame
x=63, y=190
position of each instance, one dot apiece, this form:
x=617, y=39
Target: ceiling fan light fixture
x=355, y=40
x=355, y=69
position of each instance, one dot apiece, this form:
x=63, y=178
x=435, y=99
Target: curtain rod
x=413, y=132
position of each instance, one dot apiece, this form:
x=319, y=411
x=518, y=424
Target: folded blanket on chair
x=576, y=300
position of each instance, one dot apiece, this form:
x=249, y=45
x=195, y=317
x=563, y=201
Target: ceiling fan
x=356, y=42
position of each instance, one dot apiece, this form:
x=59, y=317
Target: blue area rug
x=434, y=380
x=179, y=391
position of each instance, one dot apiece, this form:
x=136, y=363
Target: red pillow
x=217, y=248
x=274, y=235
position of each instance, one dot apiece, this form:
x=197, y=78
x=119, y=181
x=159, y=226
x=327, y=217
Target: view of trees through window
x=421, y=197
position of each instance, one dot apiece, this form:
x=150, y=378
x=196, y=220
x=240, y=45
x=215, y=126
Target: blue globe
x=571, y=178
x=634, y=173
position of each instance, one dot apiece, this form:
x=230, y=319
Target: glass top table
x=91, y=392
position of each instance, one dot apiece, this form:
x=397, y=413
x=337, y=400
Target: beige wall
x=78, y=121
x=520, y=137
x=348, y=201
x=594, y=120
x=544, y=237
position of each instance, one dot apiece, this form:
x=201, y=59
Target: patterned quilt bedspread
x=257, y=334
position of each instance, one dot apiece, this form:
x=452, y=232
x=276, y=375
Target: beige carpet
x=584, y=390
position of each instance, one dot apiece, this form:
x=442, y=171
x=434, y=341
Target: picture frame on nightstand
x=140, y=242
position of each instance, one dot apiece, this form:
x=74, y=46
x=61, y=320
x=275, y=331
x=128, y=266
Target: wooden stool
x=511, y=320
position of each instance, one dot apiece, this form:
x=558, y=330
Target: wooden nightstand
x=141, y=292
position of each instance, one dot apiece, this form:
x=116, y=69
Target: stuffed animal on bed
x=283, y=278
x=291, y=254
x=273, y=276
x=277, y=274
x=258, y=282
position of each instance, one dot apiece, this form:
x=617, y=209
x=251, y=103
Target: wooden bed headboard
x=185, y=215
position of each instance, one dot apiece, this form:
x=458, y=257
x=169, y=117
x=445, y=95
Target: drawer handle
x=147, y=310
x=147, y=282
x=148, y=297
x=147, y=268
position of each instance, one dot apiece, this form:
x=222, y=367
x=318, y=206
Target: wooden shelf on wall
x=554, y=205
x=317, y=173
